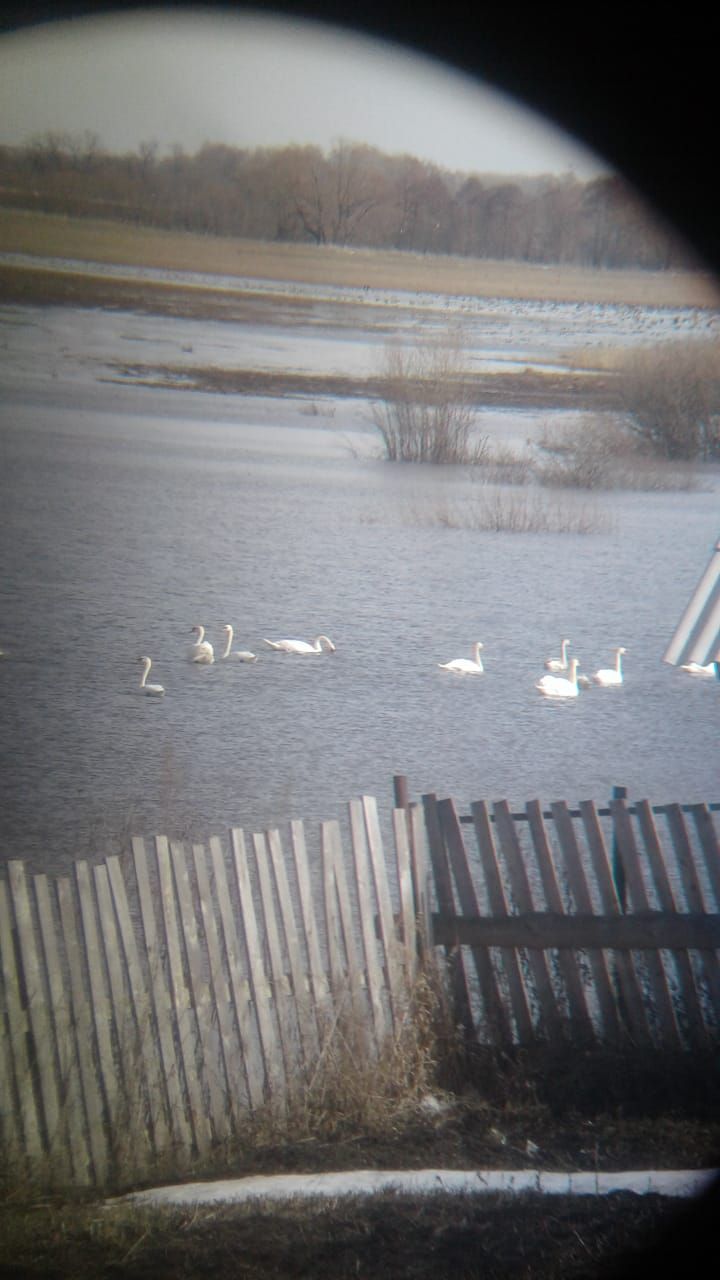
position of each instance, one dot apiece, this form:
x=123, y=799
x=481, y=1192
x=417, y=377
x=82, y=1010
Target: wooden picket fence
x=152, y=1002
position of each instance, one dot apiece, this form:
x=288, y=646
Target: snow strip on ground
x=686, y=1182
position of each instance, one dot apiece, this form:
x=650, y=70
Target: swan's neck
x=320, y=642
x=200, y=634
x=618, y=662
x=146, y=672
x=476, y=651
x=563, y=652
x=229, y=642
x=572, y=676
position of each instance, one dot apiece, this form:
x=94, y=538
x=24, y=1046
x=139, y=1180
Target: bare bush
x=602, y=453
x=499, y=510
x=671, y=393
x=427, y=414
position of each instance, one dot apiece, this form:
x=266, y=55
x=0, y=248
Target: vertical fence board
x=366, y=908
x=18, y=1032
x=405, y=890
x=161, y=1002
x=567, y=964
x=693, y=892
x=454, y=960
x=520, y=885
x=285, y=1008
x=226, y=1041
x=69, y=1085
x=356, y=977
x=519, y=1003
x=132, y=1086
x=161, y=1093
x=98, y=991
x=332, y=919
x=202, y=1020
x=703, y=819
x=184, y=1018
x=259, y=985
x=250, y=1043
x=493, y=1008
x=300, y=984
x=420, y=870
x=317, y=975
x=37, y=1009
x=628, y=987
x=82, y=1023
x=683, y=968
x=639, y=900
x=386, y=919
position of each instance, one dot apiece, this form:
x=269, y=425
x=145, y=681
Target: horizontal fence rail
x=153, y=1002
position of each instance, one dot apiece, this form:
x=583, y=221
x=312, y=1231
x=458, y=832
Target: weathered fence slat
x=338, y=978
x=98, y=990
x=161, y=1002
x=493, y=1009
x=83, y=1029
x=519, y=1003
x=18, y=1028
x=319, y=989
x=693, y=893
x=520, y=886
x=37, y=1008
x=630, y=1006
x=259, y=985
x=250, y=1046
x=442, y=876
x=386, y=919
x=355, y=975
x=683, y=968
x=300, y=985
x=408, y=926
x=705, y=828
x=284, y=1006
x=373, y=966
x=201, y=1021
x=420, y=870
x=140, y=1008
x=220, y=1009
x=567, y=963
x=639, y=900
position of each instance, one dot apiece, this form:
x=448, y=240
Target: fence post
x=619, y=793
x=401, y=791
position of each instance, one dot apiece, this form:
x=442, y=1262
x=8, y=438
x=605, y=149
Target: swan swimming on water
x=611, y=675
x=152, y=690
x=697, y=669
x=561, y=663
x=560, y=686
x=466, y=666
x=202, y=650
x=241, y=655
x=319, y=645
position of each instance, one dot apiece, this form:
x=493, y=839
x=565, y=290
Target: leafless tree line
x=351, y=195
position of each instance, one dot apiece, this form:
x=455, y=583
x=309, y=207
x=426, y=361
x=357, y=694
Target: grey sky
x=252, y=81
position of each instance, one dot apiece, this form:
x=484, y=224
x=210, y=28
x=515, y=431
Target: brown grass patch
x=94, y=240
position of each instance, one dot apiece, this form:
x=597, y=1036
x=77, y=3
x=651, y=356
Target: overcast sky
x=252, y=81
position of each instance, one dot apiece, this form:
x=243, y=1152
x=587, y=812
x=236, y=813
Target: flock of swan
x=562, y=680
x=202, y=652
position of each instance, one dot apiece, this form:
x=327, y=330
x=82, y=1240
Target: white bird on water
x=466, y=666
x=320, y=644
x=202, y=650
x=611, y=675
x=151, y=690
x=561, y=663
x=697, y=669
x=560, y=686
x=241, y=655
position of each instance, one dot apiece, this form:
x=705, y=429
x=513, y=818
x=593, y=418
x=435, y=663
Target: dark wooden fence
x=150, y=1003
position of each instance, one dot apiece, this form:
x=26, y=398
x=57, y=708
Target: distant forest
x=352, y=196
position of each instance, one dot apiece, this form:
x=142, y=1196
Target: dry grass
x=97, y=241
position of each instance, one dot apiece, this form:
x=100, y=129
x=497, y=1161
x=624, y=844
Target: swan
x=697, y=669
x=611, y=675
x=242, y=655
x=319, y=645
x=561, y=663
x=466, y=666
x=560, y=686
x=202, y=650
x=152, y=690
x=584, y=682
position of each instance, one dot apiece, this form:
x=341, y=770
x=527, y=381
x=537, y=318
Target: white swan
x=561, y=663
x=466, y=666
x=202, y=650
x=696, y=669
x=319, y=645
x=152, y=690
x=611, y=675
x=559, y=686
x=241, y=655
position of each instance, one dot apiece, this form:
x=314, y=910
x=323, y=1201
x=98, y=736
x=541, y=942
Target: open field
x=108, y=242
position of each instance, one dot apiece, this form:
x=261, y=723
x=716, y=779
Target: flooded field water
x=131, y=514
